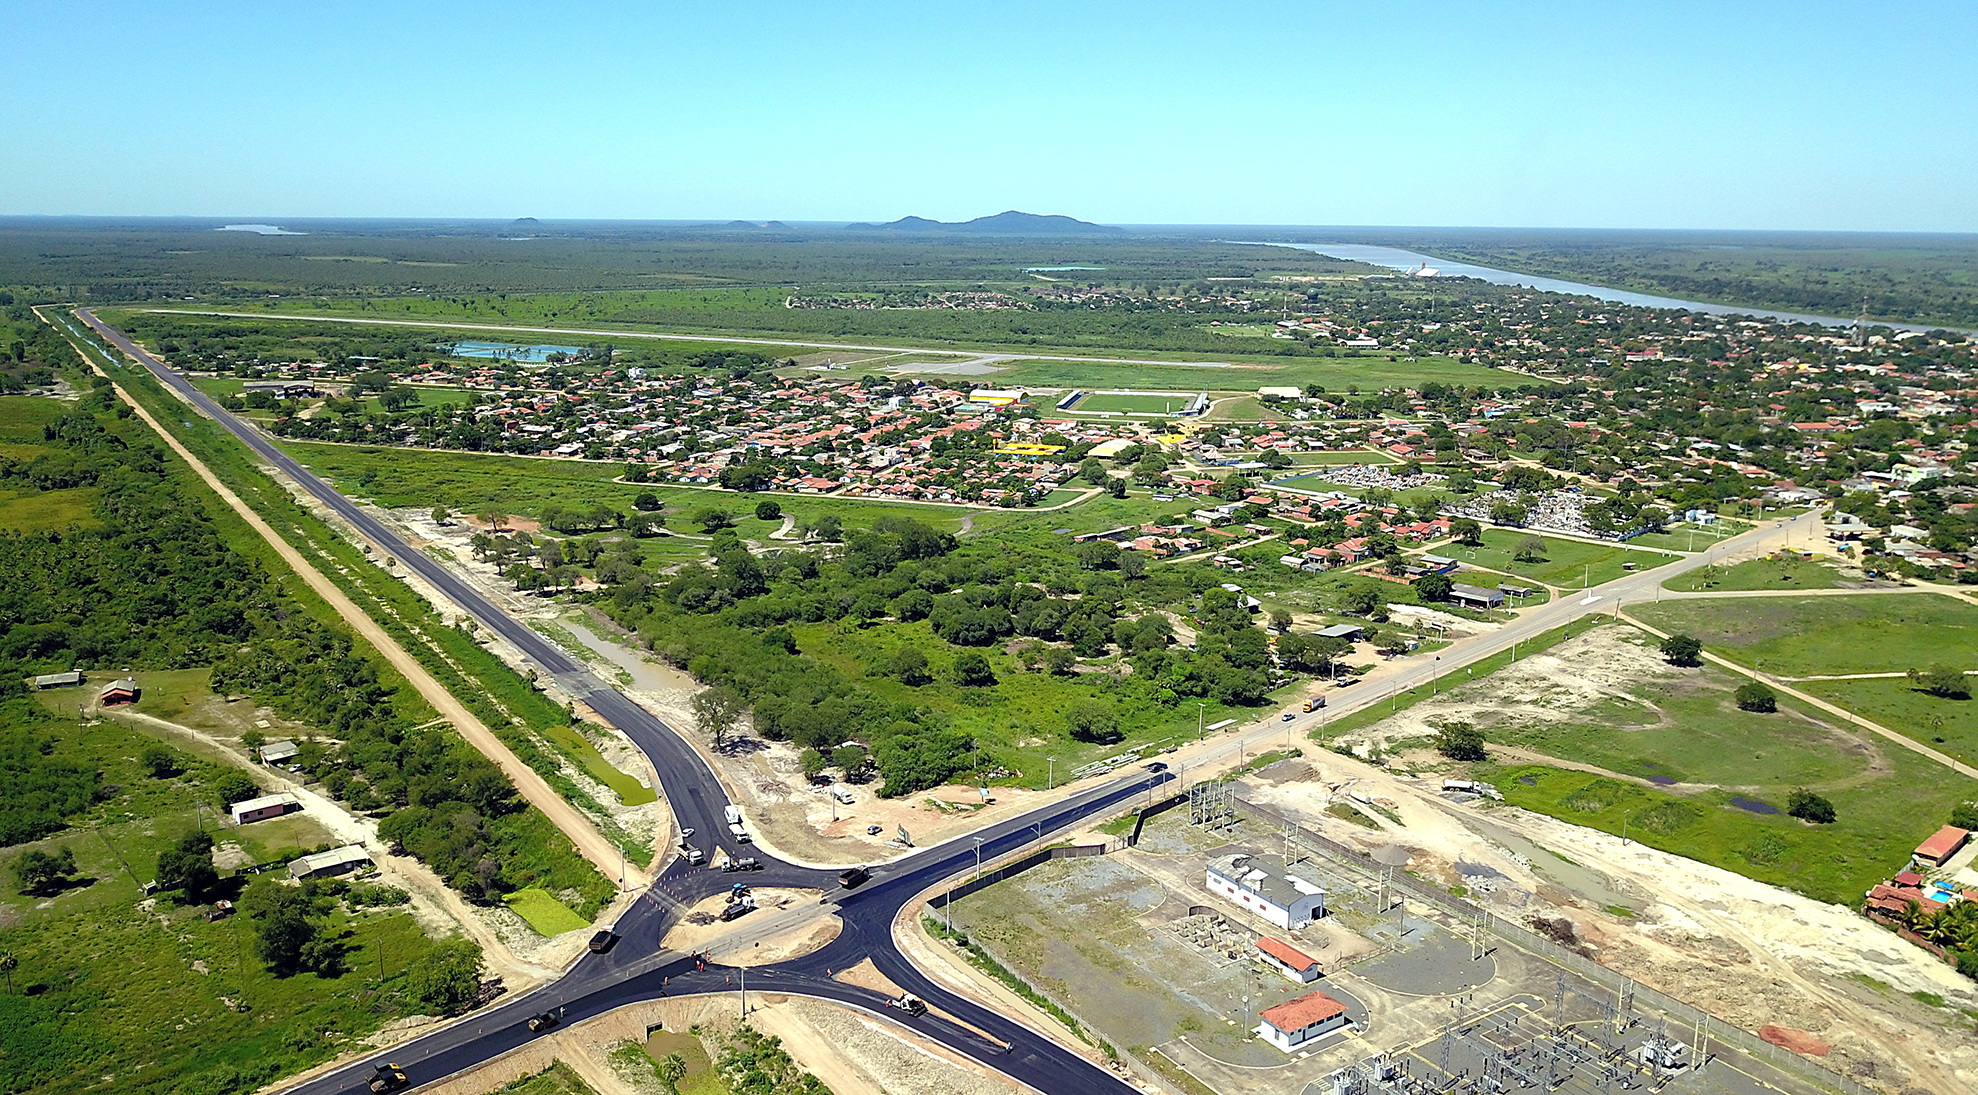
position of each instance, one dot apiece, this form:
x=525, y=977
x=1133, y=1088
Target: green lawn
x=1136, y=404
x=544, y=912
x=1783, y=572
x=1804, y=636
x=1564, y=563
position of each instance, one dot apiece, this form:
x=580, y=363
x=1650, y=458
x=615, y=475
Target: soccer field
x=1101, y=402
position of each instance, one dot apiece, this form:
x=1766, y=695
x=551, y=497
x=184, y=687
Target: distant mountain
x=1008, y=223
x=525, y=220
x=751, y=224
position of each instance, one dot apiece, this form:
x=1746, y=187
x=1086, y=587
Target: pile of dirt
x=1796, y=1040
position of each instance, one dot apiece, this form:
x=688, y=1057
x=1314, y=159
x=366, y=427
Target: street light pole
x=1201, y=712
x=978, y=859
x=1052, y=774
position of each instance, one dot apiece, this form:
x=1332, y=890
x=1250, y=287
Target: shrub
x=1682, y=650
x=1941, y=681
x=1807, y=806
x=159, y=762
x=971, y=670
x=1460, y=741
x=1753, y=696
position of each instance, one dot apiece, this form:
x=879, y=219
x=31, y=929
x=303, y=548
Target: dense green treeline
x=154, y=587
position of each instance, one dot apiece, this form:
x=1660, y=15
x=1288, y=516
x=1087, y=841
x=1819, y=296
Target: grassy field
x=1687, y=537
x=469, y=482
x=21, y=421
x=1021, y=717
x=113, y=984
x=545, y=913
x=42, y=511
x=1607, y=699
x=1335, y=374
x=1133, y=404
x=23, y=416
x=1794, y=636
x=1566, y=563
x=1342, y=458
x=1782, y=572
x=1879, y=822
x=1947, y=725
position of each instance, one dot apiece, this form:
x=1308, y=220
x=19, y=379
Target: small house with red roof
x=1296, y=1022
x=1938, y=850
x=1288, y=960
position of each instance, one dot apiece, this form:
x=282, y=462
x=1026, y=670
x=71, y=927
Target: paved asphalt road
x=637, y=969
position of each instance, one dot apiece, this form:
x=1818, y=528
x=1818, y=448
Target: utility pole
x=745, y=990
x=1051, y=779
x=1201, y=712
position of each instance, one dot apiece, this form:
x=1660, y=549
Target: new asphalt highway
x=638, y=968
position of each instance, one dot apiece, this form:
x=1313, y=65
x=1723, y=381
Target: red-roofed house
x=1937, y=850
x=1289, y=960
x=1295, y=1022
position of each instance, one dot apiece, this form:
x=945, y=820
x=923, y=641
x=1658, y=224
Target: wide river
x=1395, y=258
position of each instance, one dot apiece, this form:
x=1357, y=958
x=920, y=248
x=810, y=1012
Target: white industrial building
x=1266, y=886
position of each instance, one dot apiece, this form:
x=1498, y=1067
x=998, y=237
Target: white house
x=1264, y=885
x=255, y=809
x=1296, y=1022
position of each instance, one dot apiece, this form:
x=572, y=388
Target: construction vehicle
x=740, y=903
x=912, y=1005
x=539, y=1023
x=604, y=940
x=852, y=876
x=746, y=863
x=387, y=1077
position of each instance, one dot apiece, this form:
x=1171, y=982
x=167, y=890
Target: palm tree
x=7, y=964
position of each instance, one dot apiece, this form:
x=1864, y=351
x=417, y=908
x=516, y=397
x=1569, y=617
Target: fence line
x=1527, y=940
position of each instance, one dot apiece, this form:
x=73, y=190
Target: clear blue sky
x=1675, y=115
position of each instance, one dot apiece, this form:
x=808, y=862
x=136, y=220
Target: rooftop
x=1268, y=877
x=1286, y=953
x=1945, y=841
x=1313, y=1007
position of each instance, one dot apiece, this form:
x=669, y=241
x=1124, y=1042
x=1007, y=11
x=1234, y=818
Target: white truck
x=843, y=794
x=734, y=815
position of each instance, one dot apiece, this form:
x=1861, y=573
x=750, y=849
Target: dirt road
x=590, y=843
